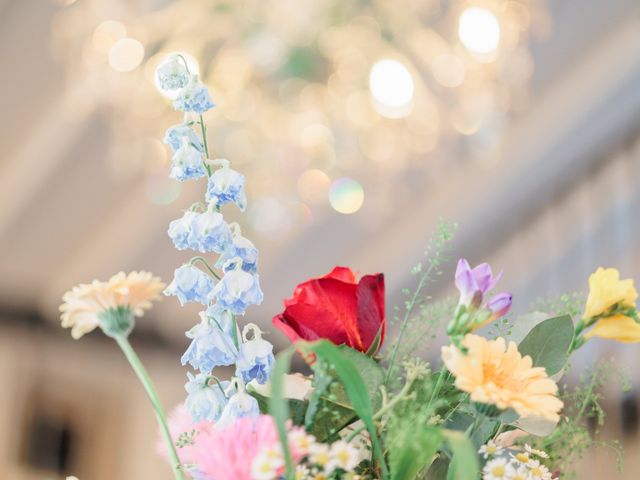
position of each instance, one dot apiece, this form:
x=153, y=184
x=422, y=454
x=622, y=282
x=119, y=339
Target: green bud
x=117, y=322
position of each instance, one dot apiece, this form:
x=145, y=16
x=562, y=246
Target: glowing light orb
x=391, y=87
x=313, y=186
x=126, y=54
x=346, y=195
x=479, y=30
x=106, y=34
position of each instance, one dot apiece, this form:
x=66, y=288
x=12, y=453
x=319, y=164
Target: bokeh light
x=269, y=217
x=346, y=195
x=106, y=34
x=391, y=87
x=479, y=30
x=448, y=70
x=313, y=186
x=126, y=54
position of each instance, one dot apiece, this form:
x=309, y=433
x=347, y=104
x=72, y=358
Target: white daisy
x=535, y=452
x=497, y=469
x=344, y=456
x=537, y=471
x=490, y=449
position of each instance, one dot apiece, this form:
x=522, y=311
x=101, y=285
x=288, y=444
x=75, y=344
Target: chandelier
x=353, y=105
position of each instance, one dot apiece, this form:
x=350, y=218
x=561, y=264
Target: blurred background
x=359, y=124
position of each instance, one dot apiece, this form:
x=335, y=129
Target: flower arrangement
x=367, y=408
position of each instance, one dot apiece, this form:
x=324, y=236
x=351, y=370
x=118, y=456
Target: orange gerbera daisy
x=494, y=373
x=85, y=303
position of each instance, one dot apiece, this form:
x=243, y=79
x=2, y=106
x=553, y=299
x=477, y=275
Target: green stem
x=203, y=130
x=402, y=394
x=144, y=378
x=206, y=264
x=405, y=322
x=438, y=386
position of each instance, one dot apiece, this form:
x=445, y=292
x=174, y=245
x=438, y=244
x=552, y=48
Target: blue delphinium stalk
x=229, y=287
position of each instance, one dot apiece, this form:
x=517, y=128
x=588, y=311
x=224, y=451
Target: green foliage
x=415, y=452
x=572, y=438
x=416, y=302
x=548, y=343
x=464, y=459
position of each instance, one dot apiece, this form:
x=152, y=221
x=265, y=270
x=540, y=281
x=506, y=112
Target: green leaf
x=548, y=343
x=355, y=387
x=371, y=373
x=279, y=407
x=464, y=460
x=414, y=453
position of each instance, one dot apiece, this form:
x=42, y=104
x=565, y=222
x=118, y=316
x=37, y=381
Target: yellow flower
x=84, y=302
x=494, y=373
x=619, y=327
x=606, y=290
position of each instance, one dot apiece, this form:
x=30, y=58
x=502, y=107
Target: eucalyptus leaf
x=548, y=343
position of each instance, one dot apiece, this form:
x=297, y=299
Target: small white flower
x=534, y=451
x=521, y=457
x=344, y=456
x=300, y=441
x=319, y=455
x=268, y=464
x=497, y=469
x=490, y=449
x=537, y=471
x=521, y=473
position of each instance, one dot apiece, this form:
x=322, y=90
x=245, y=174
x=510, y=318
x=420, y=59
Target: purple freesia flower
x=474, y=283
x=500, y=304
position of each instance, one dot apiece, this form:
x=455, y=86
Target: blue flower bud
x=238, y=289
x=186, y=162
x=226, y=186
x=212, y=343
x=194, y=97
x=256, y=359
x=206, y=398
x=190, y=284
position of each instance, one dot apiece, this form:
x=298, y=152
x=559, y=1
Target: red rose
x=338, y=308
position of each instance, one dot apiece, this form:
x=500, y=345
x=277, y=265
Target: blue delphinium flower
x=186, y=162
x=226, y=186
x=190, y=284
x=212, y=343
x=173, y=137
x=209, y=233
x=194, y=97
x=241, y=249
x=172, y=73
x=239, y=405
x=256, y=359
x=180, y=230
x=238, y=289
x=206, y=398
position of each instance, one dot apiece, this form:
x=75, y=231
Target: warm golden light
x=479, y=30
x=346, y=195
x=391, y=87
x=126, y=54
x=106, y=34
x=313, y=186
x=448, y=70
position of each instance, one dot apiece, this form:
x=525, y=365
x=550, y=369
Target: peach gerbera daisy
x=494, y=373
x=84, y=303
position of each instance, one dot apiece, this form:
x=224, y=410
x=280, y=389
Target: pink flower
x=182, y=427
x=228, y=453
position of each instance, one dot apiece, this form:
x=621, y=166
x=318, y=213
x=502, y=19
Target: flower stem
x=144, y=378
x=206, y=264
x=438, y=386
x=203, y=130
